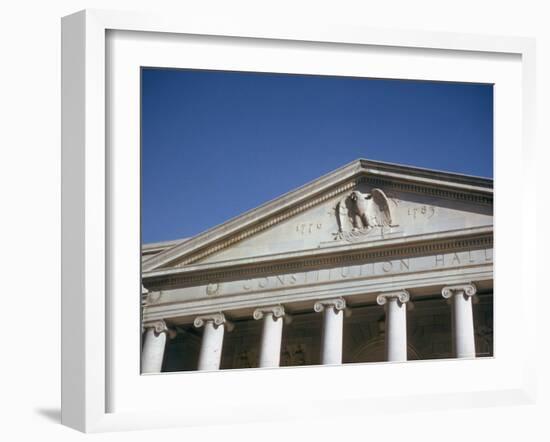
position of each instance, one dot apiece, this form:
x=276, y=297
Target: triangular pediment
x=398, y=202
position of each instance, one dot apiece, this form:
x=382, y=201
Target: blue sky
x=215, y=144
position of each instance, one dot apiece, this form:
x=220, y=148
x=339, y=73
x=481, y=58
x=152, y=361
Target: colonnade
x=273, y=317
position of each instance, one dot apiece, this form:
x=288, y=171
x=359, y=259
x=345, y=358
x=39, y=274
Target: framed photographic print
x=246, y=207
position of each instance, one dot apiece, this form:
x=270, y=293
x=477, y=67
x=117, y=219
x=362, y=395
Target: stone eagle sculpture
x=365, y=210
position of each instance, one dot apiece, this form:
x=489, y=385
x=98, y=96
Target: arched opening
x=375, y=351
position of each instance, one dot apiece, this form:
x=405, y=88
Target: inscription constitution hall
x=402, y=265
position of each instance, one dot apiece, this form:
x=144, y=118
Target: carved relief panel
x=358, y=214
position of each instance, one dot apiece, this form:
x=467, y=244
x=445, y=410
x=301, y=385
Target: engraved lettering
x=312, y=276
x=425, y=211
x=351, y=272
x=308, y=228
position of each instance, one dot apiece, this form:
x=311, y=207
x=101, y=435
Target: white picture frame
x=86, y=206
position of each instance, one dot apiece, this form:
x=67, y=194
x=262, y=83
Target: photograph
x=302, y=220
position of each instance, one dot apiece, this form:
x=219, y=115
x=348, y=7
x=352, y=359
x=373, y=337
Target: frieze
x=387, y=267
x=382, y=254
x=350, y=273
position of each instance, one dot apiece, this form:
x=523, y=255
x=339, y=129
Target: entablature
x=433, y=244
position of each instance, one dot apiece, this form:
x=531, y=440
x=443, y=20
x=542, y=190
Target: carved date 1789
x=424, y=211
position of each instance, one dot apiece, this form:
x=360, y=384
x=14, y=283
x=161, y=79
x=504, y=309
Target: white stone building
x=371, y=262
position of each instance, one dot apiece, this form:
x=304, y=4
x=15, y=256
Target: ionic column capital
x=277, y=311
x=216, y=319
x=402, y=296
x=337, y=304
x=160, y=327
x=468, y=290
x=144, y=294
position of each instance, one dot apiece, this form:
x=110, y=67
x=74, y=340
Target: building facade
x=372, y=262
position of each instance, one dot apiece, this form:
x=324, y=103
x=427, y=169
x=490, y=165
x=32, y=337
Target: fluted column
x=333, y=323
x=154, y=344
x=464, y=345
x=272, y=332
x=212, y=340
x=396, y=323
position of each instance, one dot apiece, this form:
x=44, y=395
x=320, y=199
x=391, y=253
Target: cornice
x=475, y=196
x=413, y=180
x=426, y=244
x=261, y=226
x=256, y=220
x=423, y=173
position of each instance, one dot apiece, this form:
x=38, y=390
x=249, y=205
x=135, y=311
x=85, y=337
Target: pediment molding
x=391, y=177
x=261, y=226
x=483, y=197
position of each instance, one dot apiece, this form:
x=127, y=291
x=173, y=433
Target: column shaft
x=332, y=334
x=152, y=353
x=333, y=323
x=396, y=330
x=463, y=324
x=396, y=323
x=211, y=347
x=270, y=350
x=464, y=345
